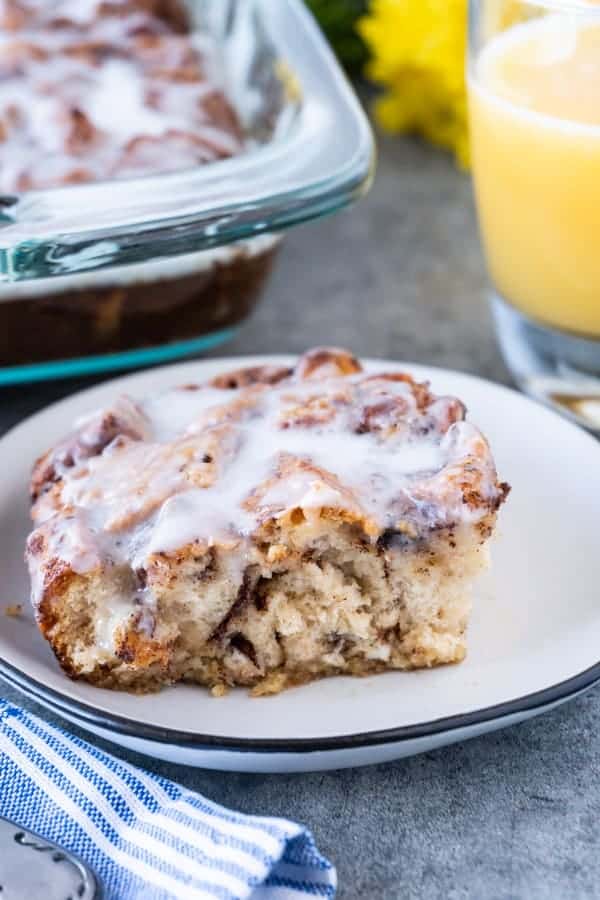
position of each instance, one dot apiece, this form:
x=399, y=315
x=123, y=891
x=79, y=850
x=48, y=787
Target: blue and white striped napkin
x=146, y=837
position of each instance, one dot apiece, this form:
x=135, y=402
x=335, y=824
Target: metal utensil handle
x=32, y=867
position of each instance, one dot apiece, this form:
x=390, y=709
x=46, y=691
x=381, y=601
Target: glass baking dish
x=128, y=272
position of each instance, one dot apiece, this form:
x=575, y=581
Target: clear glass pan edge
x=313, y=170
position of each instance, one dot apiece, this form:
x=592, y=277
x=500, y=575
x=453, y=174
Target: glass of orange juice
x=534, y=106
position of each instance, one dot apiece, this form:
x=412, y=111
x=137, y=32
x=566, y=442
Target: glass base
x=561, y=370
x=111, y=362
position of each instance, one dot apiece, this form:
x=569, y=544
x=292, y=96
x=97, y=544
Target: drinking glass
x=534, y=107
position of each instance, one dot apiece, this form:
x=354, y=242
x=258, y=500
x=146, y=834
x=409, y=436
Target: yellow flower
x=418, y=49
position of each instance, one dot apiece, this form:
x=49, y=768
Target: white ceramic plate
x=534, y=638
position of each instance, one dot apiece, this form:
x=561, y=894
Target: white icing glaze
x=176, y=412
x=109, y=618
x=305, y=492
x=178, y=523
x=211, y=466
x=116, y=104
x=68, y=540
x=358, y=461
x=148, y=481
x=136, y=115
x=75, y=545
x=80, y=11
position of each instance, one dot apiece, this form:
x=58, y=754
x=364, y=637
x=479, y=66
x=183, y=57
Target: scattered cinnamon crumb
x=219, y=690
x=13, y=610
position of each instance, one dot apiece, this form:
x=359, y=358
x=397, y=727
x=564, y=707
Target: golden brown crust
x=241, y=378
x=327, y=362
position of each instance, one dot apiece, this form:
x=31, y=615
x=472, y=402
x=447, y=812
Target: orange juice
x=534, y=98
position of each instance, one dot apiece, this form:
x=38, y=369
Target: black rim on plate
x=87, y=715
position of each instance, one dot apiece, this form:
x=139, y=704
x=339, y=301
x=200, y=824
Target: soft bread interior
x=314, y=600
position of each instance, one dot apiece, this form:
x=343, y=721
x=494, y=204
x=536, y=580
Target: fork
x=32, y=868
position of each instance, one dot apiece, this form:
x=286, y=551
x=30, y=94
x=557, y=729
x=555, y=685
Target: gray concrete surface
x=510, y=815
